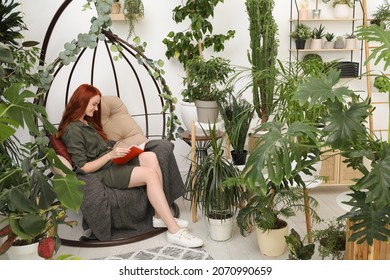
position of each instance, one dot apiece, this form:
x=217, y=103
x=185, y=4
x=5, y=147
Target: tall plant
x=199, y=35
x=264, y=49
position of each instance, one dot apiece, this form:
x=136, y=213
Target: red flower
x=46, y=247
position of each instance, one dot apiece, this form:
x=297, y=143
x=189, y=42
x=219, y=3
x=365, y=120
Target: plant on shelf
x=339, y=43
x=237, y=114
x=329, y=44
x=350, y=3
x=217, y=201
x=116, y=7
x=133, y=10
x=32, y=203
x=301, y=33
x=331, y=239
x=382, y=15
x=318, y=33
x=329, y=36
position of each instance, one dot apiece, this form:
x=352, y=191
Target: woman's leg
x=149, y=177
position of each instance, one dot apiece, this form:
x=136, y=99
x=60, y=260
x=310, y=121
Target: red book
x=133, y=152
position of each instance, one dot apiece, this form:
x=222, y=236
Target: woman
x=81, y=131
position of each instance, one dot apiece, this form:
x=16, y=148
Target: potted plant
x=218, y=202
x=382, y=15
x=32, y=203
x=298, y=250
x=272, y=176
x=368, y=218
x=342, y=8
x=264, y=50
x=339, y=43
x=116, y=7
x=193, y=41
x=350, y=41
x=331, y=239
x=301, y=34
x=237, y=114
x=133, y=11
x=329, y=44
x=317, y=35
x=206, y=85
x=303, y=12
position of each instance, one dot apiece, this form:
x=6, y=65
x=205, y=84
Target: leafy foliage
x=298, y=251
x=348, y=133
x=210, y=192
x=237, y=114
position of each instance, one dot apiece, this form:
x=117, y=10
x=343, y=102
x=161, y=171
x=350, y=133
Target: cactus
x=264, y=50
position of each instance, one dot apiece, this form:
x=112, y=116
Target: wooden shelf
x=327, y=19
x=324, y=50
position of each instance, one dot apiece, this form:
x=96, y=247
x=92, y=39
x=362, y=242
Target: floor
x=239, y=247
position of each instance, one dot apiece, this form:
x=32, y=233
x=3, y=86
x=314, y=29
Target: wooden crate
x=380, y=250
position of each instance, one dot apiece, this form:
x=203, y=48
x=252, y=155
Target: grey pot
x=339, y=44
x=207, y=111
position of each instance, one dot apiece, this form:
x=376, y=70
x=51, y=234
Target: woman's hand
x=118, y=152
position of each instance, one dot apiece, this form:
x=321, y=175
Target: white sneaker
x=159, y=223
x=183, y=238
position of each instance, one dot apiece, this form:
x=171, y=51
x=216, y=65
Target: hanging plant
x=133, y=11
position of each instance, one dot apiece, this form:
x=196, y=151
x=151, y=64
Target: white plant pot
x=316, y=44
x=342, y=11
x=188, y=114
x=221, y=230
x=350, y=43
x=24, y=252
x=272, y=243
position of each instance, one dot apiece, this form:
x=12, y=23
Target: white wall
x=156, y=25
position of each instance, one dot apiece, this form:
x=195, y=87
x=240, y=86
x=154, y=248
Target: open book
x=134, y=151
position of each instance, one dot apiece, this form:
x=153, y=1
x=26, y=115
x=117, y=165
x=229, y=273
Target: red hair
x=76, y=106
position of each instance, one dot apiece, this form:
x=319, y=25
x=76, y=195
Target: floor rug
x=167, y=252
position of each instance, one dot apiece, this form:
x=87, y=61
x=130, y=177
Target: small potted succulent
x=329, y=43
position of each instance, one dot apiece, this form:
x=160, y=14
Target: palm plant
x=216, y=200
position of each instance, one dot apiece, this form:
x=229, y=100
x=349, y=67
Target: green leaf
x=18, y=200
x=68, y=190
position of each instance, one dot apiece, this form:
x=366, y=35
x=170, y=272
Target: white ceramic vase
x=350, y=43
x=316, y=44
x=24, y=252
x=342, y=11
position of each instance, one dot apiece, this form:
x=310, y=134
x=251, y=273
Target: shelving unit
x=350, y=27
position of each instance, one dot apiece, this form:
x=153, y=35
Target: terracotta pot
x=116, y=8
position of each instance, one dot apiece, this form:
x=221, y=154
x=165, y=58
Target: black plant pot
x=300, y=44
x=239, y=158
